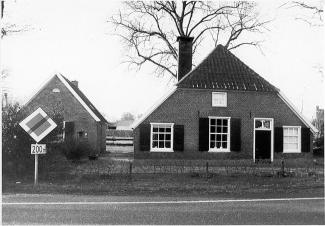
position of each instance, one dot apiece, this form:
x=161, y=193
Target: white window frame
x=263, y=128
x=228, y=135
x=299, y=140
x=216, y=105
x=171, y=142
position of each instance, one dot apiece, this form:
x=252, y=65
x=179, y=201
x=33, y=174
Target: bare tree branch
x=150, y=29
x=312, y=13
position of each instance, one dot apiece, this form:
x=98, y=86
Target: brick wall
x=65, y=103
x=186, y=106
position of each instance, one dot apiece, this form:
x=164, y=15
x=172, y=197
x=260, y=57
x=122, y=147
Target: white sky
x=73, y=38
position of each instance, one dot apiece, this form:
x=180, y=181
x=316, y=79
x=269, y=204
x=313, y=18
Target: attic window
x=55, y=90
x=219, y=99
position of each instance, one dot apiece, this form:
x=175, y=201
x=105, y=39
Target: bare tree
x=10, y=28
x=150, y=29
x=6, y=29
x=311, y=11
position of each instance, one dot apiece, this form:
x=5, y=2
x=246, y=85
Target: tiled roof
x=224, y=71
x=86, y=100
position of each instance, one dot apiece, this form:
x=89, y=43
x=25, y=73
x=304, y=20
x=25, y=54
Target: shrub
x=72, y=149
x=318, y=146
x=17, y=162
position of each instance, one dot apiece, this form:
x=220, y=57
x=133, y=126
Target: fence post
x=282, y=167
x=315, y=172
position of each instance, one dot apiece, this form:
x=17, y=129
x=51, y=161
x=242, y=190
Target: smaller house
x=82, y=120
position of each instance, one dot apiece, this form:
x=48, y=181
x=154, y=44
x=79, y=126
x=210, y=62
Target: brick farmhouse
x=82, y=121
x=221, y=109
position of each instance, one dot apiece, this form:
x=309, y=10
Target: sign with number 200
x=38, y=149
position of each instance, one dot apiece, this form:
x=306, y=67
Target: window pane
x=267, y=124
x=155, y=129
x=285, y=139
x=213, y=129
x=161, y=129
x=224, y=144
x=218, y=144
x=161, y=144
x=212, y=137
x=218, y=137
x=213, y=122
x=258, y=124
x=285, y=131
x=219, y=122
x=224, y=122
x=212, y=145
x=218, y=129
x=224, y=137
x=168, y=130
x=224, y=129
x=161, y=137
x=167, y=144
x=168, y=137
x=292, y=146
x=155, y=136
x=155, y=144
x=295, y=131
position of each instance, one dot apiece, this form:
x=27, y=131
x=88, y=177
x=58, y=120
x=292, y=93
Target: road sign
x=38, y=149
x=38, y=124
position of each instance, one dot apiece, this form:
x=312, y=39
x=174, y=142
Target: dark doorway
x=262, y=145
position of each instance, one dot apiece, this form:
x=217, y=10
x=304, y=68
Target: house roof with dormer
x=222, y=70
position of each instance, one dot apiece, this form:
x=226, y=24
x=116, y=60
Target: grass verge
x=193, y=184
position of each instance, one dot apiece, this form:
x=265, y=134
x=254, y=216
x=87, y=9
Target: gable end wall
x=65, y=103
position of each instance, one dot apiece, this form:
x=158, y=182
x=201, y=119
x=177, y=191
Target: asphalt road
x=65, y=209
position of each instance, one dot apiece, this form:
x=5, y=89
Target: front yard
x=177, y=178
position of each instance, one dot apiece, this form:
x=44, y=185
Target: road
x=68, y=209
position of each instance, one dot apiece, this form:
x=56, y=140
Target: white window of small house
x=291, y=139
x=219, y=134
x=219, y=99
x=162, y=137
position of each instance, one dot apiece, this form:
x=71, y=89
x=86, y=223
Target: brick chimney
x=75, y=83
x=184, y=56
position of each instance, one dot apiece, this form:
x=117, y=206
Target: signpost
x=38, y=125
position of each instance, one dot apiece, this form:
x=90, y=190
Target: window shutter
x=68, y=130
x=178, y=138
x=305, y=140
x=204, y=134
x=235, y=136
x=145, y=137
x=278, y=139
